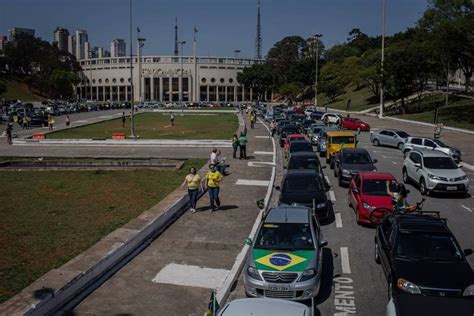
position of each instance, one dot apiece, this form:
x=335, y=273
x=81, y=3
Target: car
x=434, y=171
x=335, y=141
x=331, y=118
x=298, y=146
x=423, y=264
x=313, y=133
x=356, y=124
x=285, y=259
x=287, y=130
x=321, y=140
x=368, y=191
x=263, y=307
x=430, y=143
x=349, y=161
x=281, y=124
x=307, y=188
x=292, y=137
x=306, y=160
x=389, y=137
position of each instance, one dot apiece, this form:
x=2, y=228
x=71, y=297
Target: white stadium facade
x=165, y=79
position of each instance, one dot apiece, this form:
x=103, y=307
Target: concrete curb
x=84, y=279
x=224, y=291
x=124, y=142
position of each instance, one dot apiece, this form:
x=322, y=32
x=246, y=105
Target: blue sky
x=224, y=25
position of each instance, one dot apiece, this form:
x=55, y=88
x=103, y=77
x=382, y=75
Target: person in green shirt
x=243, y=146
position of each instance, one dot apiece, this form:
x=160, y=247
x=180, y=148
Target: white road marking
x=260, y=164
x=338, y=220
x=466, y=208
x=327, y=179
x=260, y=183
x=262, y=136
x=332, y=196
x=81, y=121
x=187, y=275
x=346, y=268
x=263, y=152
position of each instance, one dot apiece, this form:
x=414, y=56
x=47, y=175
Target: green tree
x=290, y=91
x=283, y=57
x=258, y=77
x=63, y=81
x=331, y=84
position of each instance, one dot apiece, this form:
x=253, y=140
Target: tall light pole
x=181, y=73
x=140, y=44
x=316, y=37
x=90, y=72
x=132, y=125
x=382, y=59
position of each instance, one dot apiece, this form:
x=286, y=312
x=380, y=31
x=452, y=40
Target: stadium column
x=235, y=94
x=152, y=88
x=161, y=89
x=170, y=91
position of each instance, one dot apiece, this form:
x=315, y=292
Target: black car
x=38, y=119
x=305, y=187
x=299, y=146
x=281, y=124
x=424, y=264
x=287, y=130
x=304, y=160
x=349, y=161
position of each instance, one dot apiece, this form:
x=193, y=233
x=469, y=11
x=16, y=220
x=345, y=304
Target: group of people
x=239, y=142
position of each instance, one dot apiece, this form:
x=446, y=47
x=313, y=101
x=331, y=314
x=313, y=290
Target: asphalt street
x=352, y=283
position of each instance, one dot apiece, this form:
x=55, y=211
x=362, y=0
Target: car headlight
x=469, y=291
x=307, y=275
x=346, y=172
x=368, y=206
x=253, y=273
x=321, y=205
x=464, y=177
x=408, y=286
x=433, y=177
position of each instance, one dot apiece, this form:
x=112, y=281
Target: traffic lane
x=457, y=209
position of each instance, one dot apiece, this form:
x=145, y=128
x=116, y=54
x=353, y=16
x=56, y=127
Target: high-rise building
x=3, y=41
x=61, y=36
x=81, y=39
x=12, y=33
x=118, y=48
x=106, y=53
x=71, y=44
x=87, y=50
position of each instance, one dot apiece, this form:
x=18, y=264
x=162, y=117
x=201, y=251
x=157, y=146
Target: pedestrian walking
x=235, y=145
x=348, y=105
x=24, y=121
x=273, y=126
x=243, y=146
x=438, y=129
x=172, y=117
x=253, y=119
x=123, y=119
x=28, y=122
x=68, y=120
x=213, y=181
x=9, y=133
x=50, y=122
x=193, y=183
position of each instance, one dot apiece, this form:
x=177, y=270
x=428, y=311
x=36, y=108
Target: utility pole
x=132, y=125
x=258, y=38
x=382, y=60
x=316, y=37
x=195, y=77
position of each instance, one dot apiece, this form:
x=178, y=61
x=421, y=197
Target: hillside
x=19, y=91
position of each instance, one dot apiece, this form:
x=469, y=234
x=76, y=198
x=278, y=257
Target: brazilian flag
x=213, y=305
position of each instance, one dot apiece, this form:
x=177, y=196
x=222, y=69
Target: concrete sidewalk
x=175, y=274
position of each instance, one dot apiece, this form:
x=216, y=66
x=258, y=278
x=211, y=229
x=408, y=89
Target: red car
x=355, y=124
x=290, y=138
x=367, y=191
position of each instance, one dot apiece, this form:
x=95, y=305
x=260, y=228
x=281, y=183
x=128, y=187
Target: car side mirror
x=467, y=252
x=323, y=243
x=260, y=204
x=375, y=160
x=248, y=241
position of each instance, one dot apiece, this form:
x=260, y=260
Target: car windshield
x=427, y=245
x=440, y=143
x=302, y=184
x=316, y=130
x=358, y=120
x=289, y=131
x=375, y=187
x=305, y=163
x=342, y=140
x=300, y=146
x=356, y=158
x=439, y=163
x=402, y=134
x=285, y=236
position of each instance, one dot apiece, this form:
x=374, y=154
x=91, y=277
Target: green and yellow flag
x=213, y=305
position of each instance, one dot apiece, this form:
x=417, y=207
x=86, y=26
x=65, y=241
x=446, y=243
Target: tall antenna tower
x=258, y=38
x=176, y=52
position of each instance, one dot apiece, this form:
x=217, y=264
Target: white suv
x=430, y=143
x=434, y=171
x=332, y=118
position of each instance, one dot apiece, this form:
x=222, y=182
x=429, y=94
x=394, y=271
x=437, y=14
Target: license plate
x=451, y=188
x=279, y=288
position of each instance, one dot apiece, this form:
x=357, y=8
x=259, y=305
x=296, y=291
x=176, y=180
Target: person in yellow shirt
x=213, y=180
x=193, y=182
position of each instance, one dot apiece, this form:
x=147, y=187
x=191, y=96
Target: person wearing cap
x=213, y=180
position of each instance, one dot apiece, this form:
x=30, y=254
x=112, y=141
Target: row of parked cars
x=420, y=256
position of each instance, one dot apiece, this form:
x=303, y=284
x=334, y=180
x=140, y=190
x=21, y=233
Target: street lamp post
x=181, y=73
x=382, y=60
x=316, y=37
x=140, y=44
x=132, y=125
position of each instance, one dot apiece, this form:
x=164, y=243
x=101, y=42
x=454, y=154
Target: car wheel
x=423, y=189
x=376, y=142
x=376, y=253
x=405, y=175
x=400, y=146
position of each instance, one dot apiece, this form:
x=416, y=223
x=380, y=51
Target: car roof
x=263, y=307
x=376, y=175
x=390, y=130
x=339, y=133
x=430, y=153
x=300, y=172
x=304, y=154
x=288, y=214
x=354, y=151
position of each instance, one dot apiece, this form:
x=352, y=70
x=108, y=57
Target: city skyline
x=159, y=31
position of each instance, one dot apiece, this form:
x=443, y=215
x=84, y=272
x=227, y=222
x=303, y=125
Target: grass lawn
x=18, y=91
x=458, y=113
x=49, y=217
x=157, y=126
x=360, y=100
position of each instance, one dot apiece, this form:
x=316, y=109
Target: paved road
x=355, y=270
